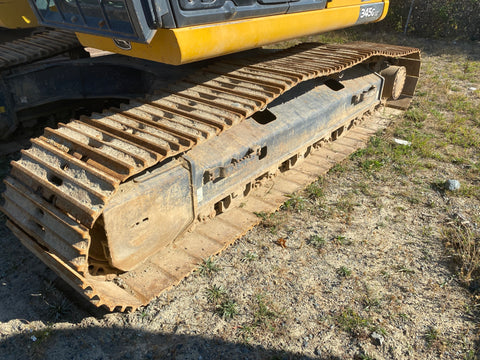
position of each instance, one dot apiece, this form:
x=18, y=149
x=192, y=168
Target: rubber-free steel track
x=36, y=47
x=60, y=186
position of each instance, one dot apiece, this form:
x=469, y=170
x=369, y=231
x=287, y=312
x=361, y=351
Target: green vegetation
x=208, y=267
x=295, y=202
x=350, y=321
x=265, y=314
x=223, y=305
x=316, y=241
x=215, y=293
x=227, y=309
x=315, y=191
x=271, y=221
x=437, y=19
x=344, y=271
x=249, y=256
x=342, y=240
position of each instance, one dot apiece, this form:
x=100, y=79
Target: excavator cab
x=125, y=19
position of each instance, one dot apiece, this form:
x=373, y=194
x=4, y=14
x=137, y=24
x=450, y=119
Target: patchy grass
x=208, y=267
x=344, y=271
x=295, y=202
x=272, y=222
x=265, y=313
x=317, y=241
x=250, y=256
x=227, y=309
x=350, y=321
x=215, y=293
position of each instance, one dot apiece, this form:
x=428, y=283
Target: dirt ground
x=367, y=271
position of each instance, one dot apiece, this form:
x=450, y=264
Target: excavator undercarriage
x=125, y=203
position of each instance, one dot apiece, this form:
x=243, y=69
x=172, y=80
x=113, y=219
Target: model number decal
x=369, y=12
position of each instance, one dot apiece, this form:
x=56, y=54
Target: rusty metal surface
x=61, y=185
x=36, y=47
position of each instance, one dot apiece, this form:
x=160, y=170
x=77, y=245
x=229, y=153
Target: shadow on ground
x=128, y=343
x=30, y=292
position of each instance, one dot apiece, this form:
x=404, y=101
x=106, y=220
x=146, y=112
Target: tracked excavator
x=209, y=131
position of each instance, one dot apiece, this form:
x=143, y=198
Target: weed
x=338, y=168
x=249, y=256
x=470, y=355
x=49, y=288
x=366, y=189
x=358, y=154
x=344, y=271
x=316, y=241
x=376, y=141
x=269, y=221
x=295, y=202
x=59, y=308
x=215, y=293
x=405, y=270
x=246, y=332
x=342, y=240
x=432, y=335
x=379, y=330
x=385, y=274
x=265, y=314
x=262, y=215
x=351, y=322
x=345, y=204
x=227, y=309
x=369, y=303
x=414, y=200
x=470, y=191
x=208, y=267
x=264, y=309
x=371, y=164
x=314, y=191
x=42, y=335
x=427, y=231
x=427, y=255
x=463, y=243
x=415, y=115
x=143, y=314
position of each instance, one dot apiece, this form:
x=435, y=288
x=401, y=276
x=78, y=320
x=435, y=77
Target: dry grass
x=464, y=242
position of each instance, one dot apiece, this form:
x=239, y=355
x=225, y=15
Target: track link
x=36, y=47
x=60, y=186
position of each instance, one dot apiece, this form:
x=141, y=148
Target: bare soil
x=356, y=267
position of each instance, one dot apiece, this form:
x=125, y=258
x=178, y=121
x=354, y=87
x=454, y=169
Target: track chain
x=60, y=186
x=36, y=47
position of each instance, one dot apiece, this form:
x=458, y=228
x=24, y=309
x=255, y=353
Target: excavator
x=211, y=127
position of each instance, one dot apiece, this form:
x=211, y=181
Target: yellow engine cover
x=189, y=44
x=16, y=14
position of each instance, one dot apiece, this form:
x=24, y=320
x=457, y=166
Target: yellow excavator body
x=16, y=14
x=195, y=43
